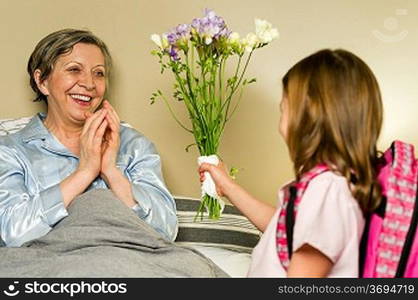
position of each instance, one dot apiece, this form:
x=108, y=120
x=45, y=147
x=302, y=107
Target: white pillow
x=235, y=264
x=8, y=126
x=228, y=242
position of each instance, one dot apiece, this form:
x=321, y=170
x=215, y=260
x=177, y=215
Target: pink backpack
x=389, y=246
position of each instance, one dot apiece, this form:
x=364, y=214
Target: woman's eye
x=100, y=74
x=74, y=70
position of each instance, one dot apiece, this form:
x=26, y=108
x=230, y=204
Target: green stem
x=236, y=105
x=234, y=89
x=174, y=115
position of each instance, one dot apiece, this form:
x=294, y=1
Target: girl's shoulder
x=329, y=177
x=331, y=189
x=328, y=217
x=325, y=185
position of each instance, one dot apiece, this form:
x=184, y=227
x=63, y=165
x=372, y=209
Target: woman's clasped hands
x=99, y=143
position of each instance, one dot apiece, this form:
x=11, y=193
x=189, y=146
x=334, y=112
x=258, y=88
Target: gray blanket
x=102, y=237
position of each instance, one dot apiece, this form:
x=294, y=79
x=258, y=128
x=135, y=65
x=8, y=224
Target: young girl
x=331, y=116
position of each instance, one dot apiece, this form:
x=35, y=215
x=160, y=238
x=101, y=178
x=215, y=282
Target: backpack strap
x=290, y=219
x=403, y=261
x=400, y=187
x=292, y=195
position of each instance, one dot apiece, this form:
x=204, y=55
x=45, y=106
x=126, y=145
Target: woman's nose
x=87, y=81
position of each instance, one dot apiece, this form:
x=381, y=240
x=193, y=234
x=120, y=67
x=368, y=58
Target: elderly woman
x=77, y=146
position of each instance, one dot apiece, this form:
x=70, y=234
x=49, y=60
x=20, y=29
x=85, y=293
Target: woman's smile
x=82, y=100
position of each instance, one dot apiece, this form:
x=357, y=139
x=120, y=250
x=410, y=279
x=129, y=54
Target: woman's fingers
x=112, y=116
x=113, y=112
x=112, y=123
x=95, y=123
x=90, y=118
x=101, y=130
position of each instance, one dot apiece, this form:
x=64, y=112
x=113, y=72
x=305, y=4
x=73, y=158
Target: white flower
x=234, y=41
x=164, y=41
x=157, y=40
x=250, y=42
x=160, y=41
x=208, y=40
x=234, y=38
x=265, y=31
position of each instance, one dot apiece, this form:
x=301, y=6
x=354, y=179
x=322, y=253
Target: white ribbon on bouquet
x=208, y=185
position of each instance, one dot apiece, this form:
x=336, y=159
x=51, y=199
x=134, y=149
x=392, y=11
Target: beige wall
x=251, y=141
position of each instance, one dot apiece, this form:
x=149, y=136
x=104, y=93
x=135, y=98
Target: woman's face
x=76, y=84
x=284, y=111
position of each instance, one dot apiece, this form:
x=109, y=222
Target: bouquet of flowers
x=197, y=54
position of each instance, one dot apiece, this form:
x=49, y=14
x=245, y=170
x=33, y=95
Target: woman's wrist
x=112, y=175
x=120, y=185
x=75, y=184
x=86, y=175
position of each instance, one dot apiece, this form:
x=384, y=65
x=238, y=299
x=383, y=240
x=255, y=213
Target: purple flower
x=225, y=32
x=172, y=37
x=196, y=23
x=179, y=36
x=183, y=30
x=210, y=26
x=174, y=54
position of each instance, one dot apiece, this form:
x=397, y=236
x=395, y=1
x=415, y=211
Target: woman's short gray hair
x=55, y=44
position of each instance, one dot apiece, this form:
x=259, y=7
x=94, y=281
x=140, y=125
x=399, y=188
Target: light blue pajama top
x=33, y=163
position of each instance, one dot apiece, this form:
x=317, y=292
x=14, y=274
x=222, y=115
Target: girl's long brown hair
x=335, y=117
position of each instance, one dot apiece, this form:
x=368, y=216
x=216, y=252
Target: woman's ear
x=42, y=85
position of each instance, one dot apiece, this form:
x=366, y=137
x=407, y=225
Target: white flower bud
x=157, y=40
x=234, y=38
x=250, y=42
x=265, y=31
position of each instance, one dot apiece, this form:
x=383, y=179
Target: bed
x=227, y=242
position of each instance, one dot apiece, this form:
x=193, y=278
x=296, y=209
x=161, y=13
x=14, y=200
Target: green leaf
x=152, y=99
x=233, y=172
x=178, y=95
x=231, y=81
x=189, y=146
